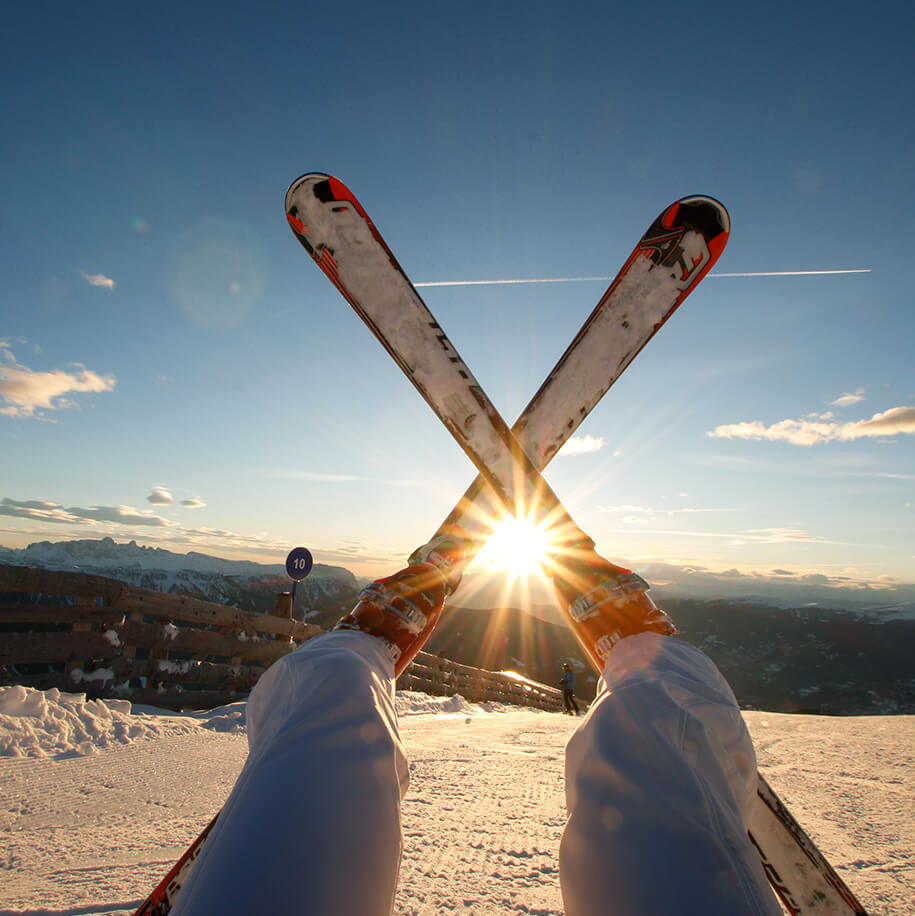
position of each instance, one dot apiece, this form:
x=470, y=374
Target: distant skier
x=660, y=775
x=567, y=683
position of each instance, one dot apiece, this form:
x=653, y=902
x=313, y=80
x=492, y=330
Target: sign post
x=298, y=566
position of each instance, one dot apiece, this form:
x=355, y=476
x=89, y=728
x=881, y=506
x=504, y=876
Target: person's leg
x=660, y=778
x=313, y=823
x=573, y=704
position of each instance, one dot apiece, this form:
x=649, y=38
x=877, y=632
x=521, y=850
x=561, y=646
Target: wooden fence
x=77, y=631
x=442, y=677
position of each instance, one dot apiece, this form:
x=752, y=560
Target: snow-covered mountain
x=242, y=583
x=106, y=553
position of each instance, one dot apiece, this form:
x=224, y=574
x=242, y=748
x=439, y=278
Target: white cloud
x=849, y=398
x=39, y=510
x=45, y=511
x=780, y=535
x=896, y=421
x=193, y=503
x=45, y=518
x=888, y=423
x=160, y=497
x=582, y=445
x=121, y=515
x=793, y=586
x=26, y=392
x=98, y=280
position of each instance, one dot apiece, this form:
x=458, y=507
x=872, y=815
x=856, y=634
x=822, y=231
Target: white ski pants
x=659, y=780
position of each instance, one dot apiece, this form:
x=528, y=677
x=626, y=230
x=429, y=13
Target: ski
x=162, y=899
x=338, y=234
x=801, y=875
x=635, y=305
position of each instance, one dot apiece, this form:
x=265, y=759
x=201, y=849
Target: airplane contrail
x=762, y=273
x=797, y=273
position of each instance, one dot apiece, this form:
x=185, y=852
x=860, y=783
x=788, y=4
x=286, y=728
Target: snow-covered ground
x=97, y=800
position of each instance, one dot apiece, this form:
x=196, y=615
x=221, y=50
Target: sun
x=516, y=547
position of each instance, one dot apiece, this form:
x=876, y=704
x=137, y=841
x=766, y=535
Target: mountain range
x=806, y=657
x=241, y=583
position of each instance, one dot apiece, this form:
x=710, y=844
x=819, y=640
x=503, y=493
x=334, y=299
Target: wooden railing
x=113, y=639
x=88, y=633
x=440, y=676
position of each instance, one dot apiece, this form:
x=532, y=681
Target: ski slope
x=97, y=800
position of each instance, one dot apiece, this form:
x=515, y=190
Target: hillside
x=827, y=662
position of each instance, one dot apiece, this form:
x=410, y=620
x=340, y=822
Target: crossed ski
x=674, y=254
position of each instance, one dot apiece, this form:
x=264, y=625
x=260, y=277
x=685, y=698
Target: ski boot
x=604, y=602
x=448, y=553
x=401, y=610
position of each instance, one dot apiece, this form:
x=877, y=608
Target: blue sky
x=173, y=369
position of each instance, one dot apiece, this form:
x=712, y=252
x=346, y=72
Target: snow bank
x=230, y=719
x=482, y=819
x=50, y=723
x=411, y=703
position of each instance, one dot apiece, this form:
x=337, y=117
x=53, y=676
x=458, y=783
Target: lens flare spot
x=217, y=272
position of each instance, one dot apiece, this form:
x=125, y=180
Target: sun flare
x=516, y=547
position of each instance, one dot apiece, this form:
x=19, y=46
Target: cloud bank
x=808, y=432
x=45, y=511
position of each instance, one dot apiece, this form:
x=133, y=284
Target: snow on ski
x=336, y=231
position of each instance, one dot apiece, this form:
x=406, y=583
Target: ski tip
x=301, y=183
x=704, y=214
